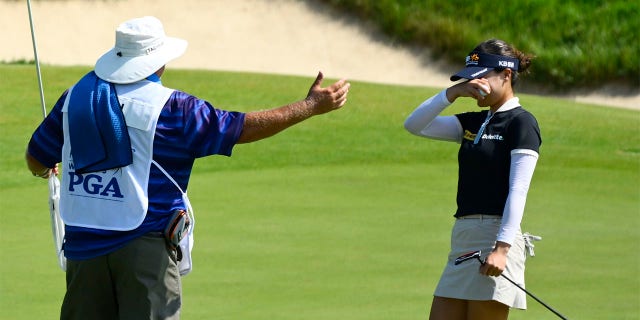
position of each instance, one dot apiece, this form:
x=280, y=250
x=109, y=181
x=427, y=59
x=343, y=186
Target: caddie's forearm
x=263, y=124
x=36, y=167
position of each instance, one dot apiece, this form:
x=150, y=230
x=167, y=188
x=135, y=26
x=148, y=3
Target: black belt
x=480, y=216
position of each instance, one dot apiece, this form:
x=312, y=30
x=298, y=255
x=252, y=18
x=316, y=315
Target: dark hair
x=499, y=47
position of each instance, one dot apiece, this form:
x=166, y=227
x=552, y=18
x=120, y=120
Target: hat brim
x=471, y=73
x=116, y=69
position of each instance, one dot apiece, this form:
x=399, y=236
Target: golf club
x=477, y=254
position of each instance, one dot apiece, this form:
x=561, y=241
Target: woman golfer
x=497, y=157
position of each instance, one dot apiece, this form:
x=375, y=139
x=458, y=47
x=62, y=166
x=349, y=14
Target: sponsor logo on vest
x=94, y=185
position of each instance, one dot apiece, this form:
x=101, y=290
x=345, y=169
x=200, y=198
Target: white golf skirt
x=464, y=280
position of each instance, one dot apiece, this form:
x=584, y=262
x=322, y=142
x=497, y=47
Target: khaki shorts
x=464, y=280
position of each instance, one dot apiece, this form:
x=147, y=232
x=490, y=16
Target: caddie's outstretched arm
x=263, y=124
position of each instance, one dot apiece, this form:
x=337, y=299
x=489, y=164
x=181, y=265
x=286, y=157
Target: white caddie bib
x=115, y=199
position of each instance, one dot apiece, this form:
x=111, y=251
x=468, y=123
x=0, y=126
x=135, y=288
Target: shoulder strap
x=185, y=198
x=168, y=175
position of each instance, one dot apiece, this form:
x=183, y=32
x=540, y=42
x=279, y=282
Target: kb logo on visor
x=506, y=64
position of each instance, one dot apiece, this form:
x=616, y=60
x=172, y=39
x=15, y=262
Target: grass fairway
x=347, y=216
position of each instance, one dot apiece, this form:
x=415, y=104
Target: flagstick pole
x=35, y=54
x=57, y=225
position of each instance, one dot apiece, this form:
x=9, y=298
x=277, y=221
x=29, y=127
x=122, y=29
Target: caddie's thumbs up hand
x=318, y=82
x=327, y=99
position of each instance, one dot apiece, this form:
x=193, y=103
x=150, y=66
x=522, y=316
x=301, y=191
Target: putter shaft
x=478, y=254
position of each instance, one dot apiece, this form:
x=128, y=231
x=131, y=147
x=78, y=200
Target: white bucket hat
x=141, y=49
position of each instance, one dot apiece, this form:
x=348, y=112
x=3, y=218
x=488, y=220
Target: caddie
x=127, y=145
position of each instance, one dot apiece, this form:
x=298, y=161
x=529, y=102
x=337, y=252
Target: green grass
x=347, y=216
